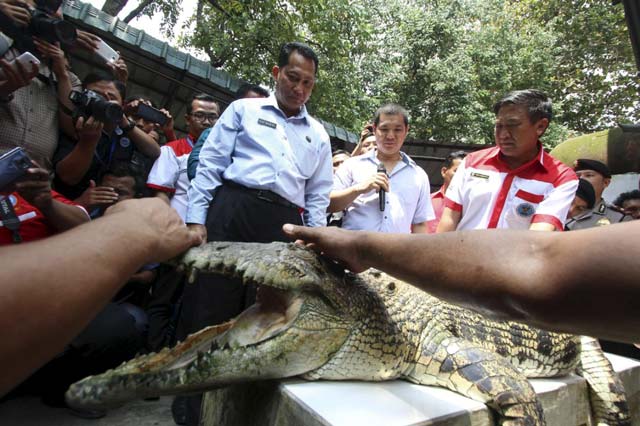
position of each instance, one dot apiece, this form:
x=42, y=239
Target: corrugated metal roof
x=173, y=57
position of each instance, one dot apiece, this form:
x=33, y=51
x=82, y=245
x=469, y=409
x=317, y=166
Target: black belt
x=262, y=194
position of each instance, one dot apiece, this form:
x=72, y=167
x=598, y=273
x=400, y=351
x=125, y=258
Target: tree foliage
x=447, y=61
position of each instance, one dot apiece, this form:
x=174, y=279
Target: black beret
x=586, y=192
x=595, y=165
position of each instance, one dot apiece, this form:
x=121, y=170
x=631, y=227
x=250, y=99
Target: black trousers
x=112, y=337
x=234, y=215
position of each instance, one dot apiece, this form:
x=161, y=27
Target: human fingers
x=87, y=40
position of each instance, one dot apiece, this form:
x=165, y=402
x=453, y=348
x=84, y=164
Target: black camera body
x=90, y=104
x=42, y=25
x=13, y=164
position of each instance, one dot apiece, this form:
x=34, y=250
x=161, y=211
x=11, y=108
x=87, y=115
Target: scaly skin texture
x=314, y=320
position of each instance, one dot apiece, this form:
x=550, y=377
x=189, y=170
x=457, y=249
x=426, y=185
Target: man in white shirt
x=384, y=189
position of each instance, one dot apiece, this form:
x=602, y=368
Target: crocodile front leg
x=476, y=373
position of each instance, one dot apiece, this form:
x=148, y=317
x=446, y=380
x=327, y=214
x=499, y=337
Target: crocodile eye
x=391, y=286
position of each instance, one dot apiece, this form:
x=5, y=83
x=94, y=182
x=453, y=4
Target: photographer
x=30, y=93
x=149, y=119
x=35, y=210
x=105, y=136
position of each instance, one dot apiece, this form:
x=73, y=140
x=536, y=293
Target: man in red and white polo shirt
x=168, y=176
x=514, y=184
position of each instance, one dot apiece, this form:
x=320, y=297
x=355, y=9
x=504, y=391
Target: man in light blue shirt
x=265, y=163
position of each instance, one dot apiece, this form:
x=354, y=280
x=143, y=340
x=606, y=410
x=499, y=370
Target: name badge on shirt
x=479, y=175
x=263, y=122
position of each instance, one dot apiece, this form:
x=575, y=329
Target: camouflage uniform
x=601, y=215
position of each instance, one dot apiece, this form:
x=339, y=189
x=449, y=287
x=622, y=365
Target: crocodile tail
x=606, y=392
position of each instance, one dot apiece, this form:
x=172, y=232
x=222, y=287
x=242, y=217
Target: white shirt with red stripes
x=490, y=195
x=169, y=173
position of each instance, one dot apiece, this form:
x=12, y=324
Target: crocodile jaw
x=277, y=337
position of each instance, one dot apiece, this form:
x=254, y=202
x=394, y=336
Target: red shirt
x=33, y=224
x=437, y=201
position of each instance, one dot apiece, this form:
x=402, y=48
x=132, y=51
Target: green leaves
x=447, y=61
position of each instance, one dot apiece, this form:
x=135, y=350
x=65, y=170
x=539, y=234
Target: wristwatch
x=127, y=129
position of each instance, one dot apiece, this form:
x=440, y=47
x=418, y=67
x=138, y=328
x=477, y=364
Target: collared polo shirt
x=256, y=145
x=169, y=173
x=33, y=224
x=490, y=195
x=30, y=120
x=407, y=202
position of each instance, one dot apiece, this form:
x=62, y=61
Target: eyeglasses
x=203, y=116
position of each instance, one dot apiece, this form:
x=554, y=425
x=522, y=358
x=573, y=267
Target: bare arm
x=340, y=199
x=164, y=196
x=419, y=228
x=541, y=226
x=35, y=187
x=145, y=143
x=449, y=220
x=541, y=278
x=36, y=297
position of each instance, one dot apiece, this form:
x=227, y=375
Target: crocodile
x=315, y=320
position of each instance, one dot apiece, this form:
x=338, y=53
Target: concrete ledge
x=395, y=403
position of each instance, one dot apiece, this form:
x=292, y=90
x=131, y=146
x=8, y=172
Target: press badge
x=263, y=122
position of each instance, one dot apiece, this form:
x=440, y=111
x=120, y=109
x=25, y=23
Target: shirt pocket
x=522, y=208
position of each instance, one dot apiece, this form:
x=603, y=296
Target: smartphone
x=151, y=114
x=27, y=60
x=106, y=52
x=13, y=164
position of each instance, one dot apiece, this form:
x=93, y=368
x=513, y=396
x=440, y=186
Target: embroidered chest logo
x=525, y=210
x=264, y=122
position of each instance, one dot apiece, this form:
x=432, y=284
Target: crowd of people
x=248, y=173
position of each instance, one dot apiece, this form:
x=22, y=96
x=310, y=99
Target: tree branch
x=135, y=12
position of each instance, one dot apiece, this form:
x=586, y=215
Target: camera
x=151, y=114
x=13, y=164
x=41, y=24
x=90, y=104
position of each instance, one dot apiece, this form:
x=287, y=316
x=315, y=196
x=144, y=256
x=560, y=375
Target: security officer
x=603, y=213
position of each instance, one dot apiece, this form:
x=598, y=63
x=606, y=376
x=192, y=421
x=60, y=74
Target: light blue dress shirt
x=407, y=202
x=254, y=144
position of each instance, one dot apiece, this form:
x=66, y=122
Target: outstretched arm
x=46, y=299
x=584, y=282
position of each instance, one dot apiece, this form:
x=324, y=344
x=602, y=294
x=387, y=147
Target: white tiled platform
x=396, y=403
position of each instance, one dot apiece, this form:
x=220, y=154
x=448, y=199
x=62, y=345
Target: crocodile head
x=300, y=319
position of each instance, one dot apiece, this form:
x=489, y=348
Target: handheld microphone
x=381, y=193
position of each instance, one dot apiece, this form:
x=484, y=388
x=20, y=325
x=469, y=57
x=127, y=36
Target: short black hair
x=391, y=109
x=537, y=102
x=631, y=195
x=288, y=48
x=132, y=98
x=126, y=169
x=586, y=192
x=340, y=151
x=455, y=155
x=248, y=87
x=200, y=97
x=96, y=76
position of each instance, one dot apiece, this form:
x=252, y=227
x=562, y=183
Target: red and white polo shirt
x=169, y=173
x=33, y=224
x=490, y=195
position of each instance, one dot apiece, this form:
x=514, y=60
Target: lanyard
x=10, y=219
x=112, y=149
